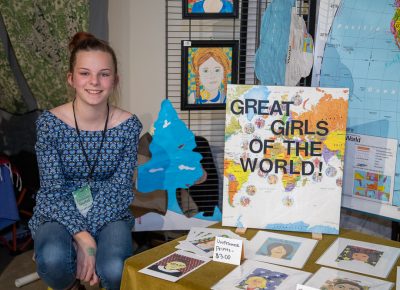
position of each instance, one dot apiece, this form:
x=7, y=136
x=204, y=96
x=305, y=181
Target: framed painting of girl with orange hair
x=207, y=69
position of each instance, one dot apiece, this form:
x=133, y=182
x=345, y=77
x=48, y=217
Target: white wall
x=137, y=33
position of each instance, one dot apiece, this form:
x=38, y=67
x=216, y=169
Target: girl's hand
x=86, y=258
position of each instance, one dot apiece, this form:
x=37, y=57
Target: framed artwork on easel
x=283, y=157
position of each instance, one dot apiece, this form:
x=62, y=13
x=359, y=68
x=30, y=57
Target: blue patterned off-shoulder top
x=63, y=169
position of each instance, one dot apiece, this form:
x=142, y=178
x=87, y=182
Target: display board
x=357, y=46
x=284, y=152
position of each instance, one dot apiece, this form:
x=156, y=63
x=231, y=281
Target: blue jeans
x=56, y=255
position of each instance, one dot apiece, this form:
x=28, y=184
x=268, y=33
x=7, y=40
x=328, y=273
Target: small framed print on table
x=280, y=249
x=259, y=275
x=208, y=66
x=208, y=9
x=362, y=257
x=327, y=278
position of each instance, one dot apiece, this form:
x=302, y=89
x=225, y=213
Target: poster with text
x=284, y=153
x=369, y=175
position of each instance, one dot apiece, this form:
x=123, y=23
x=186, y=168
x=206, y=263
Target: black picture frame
x=233, y=10
x=223, y=55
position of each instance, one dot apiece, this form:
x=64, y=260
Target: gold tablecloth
x=212, y=272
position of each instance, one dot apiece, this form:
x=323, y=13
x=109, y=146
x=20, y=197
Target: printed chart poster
x=284, y=152
x=369, y=174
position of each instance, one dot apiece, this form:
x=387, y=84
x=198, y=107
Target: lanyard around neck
x=91, y=168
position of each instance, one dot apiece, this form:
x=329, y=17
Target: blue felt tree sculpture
x=173, y=163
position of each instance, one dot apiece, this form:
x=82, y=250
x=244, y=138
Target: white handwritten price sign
x=228, y=250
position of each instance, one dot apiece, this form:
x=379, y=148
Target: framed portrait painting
x=207, y=69
x=207, y=9
x=362, y=257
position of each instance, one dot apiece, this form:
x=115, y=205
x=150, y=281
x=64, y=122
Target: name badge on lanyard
x=83, y=199
x=83, y=196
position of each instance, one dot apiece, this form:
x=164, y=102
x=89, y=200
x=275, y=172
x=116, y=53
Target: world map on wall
x=362, y=53
x=284, y=182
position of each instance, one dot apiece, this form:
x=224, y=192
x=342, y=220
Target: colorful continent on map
x=395, y=24
x=232, y=127
x=236, y=178
x=331, y=111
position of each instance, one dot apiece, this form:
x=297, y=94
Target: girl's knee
x=111, y=273
x=55, y=270
x=52, y=258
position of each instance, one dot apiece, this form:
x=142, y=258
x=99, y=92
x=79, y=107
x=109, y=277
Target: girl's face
x=211, y=74
x=360, y=257
x=278, y=252
x=93, y=76
x=256, y=282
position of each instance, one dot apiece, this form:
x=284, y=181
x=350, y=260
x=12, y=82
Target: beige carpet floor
x=20, y=266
